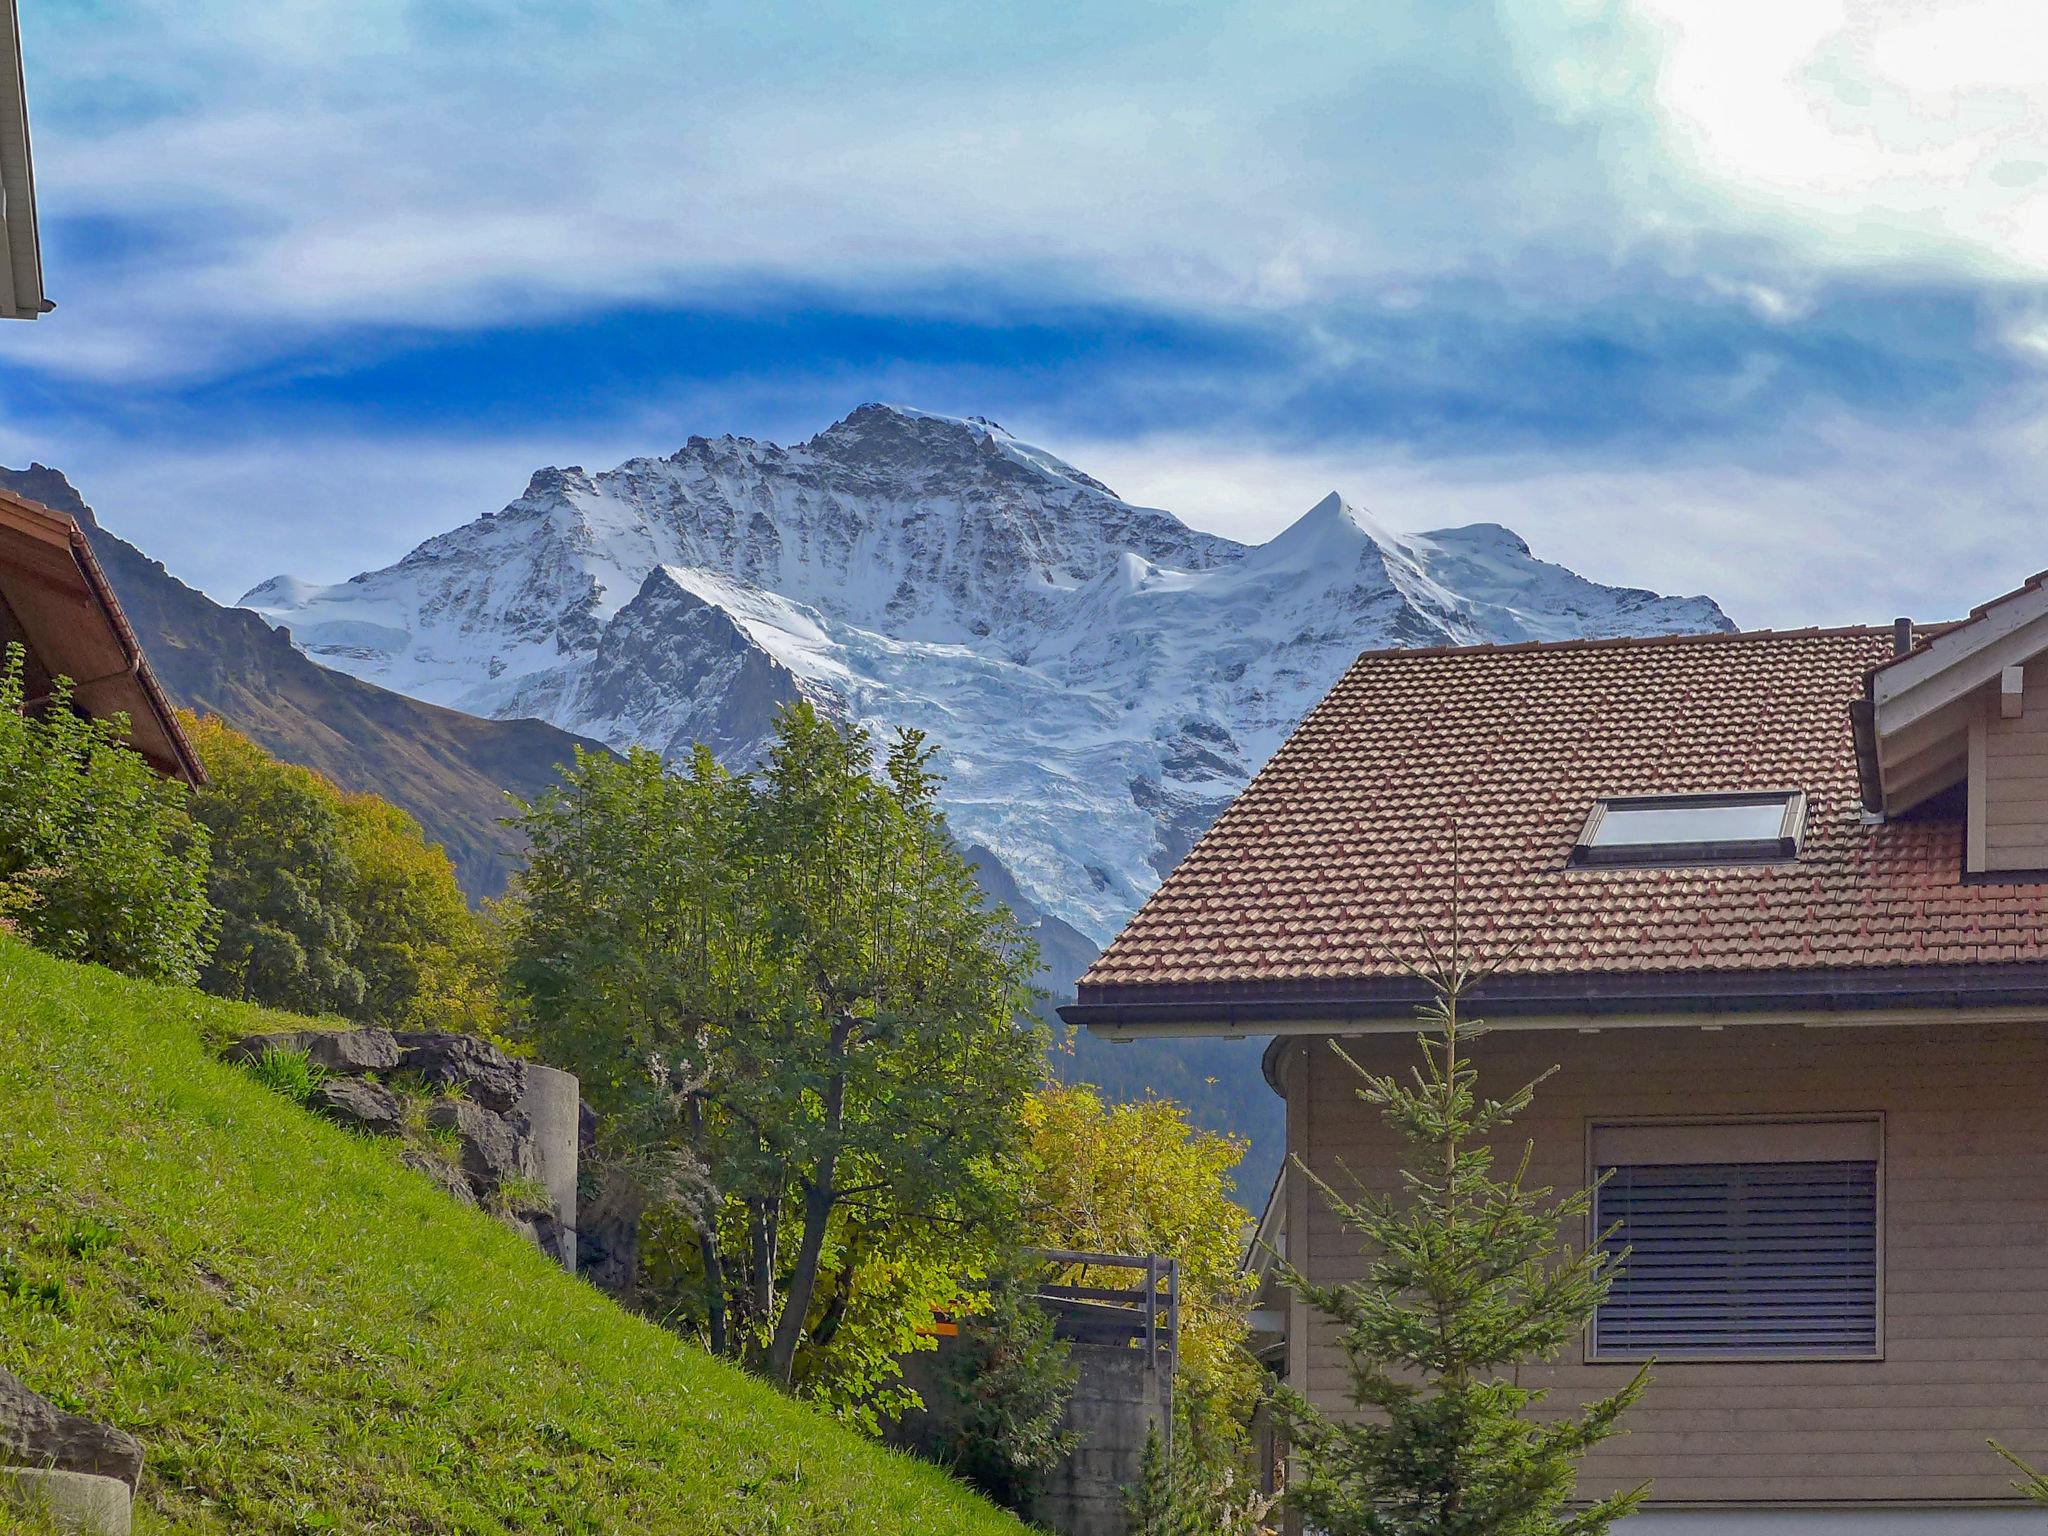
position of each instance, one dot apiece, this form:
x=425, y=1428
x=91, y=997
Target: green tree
x=100, y=859
x=428, y=960
x=280, y=880
x=1010, y=1381
x=1469, y=1278
x=1136, y=1179
x=332, y=902
x=1182, y=1495
x=790, y=997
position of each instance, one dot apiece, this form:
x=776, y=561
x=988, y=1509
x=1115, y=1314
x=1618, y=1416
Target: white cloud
x=439, y=165
x=1877, y=130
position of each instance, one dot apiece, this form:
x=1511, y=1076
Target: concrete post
x=552, y=1103
x=81, y=1502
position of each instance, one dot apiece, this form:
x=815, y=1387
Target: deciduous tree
x=790, y=981
x=1137, y=1178
x=332, y=902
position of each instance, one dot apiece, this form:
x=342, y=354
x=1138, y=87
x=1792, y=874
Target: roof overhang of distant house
x=1913, y=723
x=55, y=602
x=21, y=257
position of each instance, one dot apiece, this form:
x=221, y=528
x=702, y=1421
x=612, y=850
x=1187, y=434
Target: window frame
x=1774, y=850
x=1593, y=1354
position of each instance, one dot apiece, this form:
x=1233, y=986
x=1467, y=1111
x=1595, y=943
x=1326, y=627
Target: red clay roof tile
x=1334, y=856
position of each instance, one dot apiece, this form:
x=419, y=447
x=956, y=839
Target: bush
x=1010, y=1380
x=99, y=858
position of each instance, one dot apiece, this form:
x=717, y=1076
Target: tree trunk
x=704, y=1217
x=820, y=1195
x=762, y=1221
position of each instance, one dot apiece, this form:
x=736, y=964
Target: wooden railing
x=1144, y=1312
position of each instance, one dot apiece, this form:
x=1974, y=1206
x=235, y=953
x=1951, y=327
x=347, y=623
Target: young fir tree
x=1469, y=1279
x=1192, y=1495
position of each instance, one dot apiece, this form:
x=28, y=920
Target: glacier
x=1101, y=677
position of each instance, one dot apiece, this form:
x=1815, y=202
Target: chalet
x=56, y=604
x=1776, y=905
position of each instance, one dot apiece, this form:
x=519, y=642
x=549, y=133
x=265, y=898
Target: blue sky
x=1749, y=298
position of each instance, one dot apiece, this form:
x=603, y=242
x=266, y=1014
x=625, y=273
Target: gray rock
x=364, y=1105
x=446, y=1176
x=35, y=1432
x=493, y=1150
x=482, y=1071
x=344, y=1052
x=545, y=1231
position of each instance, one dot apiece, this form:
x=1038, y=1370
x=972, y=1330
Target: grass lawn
x=308, y=1337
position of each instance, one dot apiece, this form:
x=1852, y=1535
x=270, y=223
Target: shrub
x=100, y=859
x=1010, y=1380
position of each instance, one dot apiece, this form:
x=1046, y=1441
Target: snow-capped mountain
x=1101, y=676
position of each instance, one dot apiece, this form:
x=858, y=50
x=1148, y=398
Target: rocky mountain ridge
x=1102, y=677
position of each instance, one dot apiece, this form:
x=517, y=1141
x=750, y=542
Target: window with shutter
x=1746, y=1241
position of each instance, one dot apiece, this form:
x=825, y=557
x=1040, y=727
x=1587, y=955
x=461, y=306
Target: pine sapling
x=1470, y=1278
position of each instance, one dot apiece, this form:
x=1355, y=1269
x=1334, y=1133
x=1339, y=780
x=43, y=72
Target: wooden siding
x=1965, y=1250
x=2009, y=758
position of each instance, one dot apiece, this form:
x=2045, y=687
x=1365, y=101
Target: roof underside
x=21, y=261
x=1472, y=771
x=1913, y=736
x=56, y=603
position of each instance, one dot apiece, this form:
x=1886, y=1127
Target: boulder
x=35, y=1432
x=482, y=1071
x=364, y=1105
x=493, y=1150
x=445, y=1175
x=545, y=1231
x=343, y=1052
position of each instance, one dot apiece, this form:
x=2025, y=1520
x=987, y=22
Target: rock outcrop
x=34, y=1432
x=513, y=1127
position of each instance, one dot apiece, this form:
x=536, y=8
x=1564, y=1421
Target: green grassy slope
x=307, y=1337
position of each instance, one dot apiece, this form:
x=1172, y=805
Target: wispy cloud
x=1662, y=285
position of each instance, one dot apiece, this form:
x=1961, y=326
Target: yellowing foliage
x=1138, y=1178
x=333, y=902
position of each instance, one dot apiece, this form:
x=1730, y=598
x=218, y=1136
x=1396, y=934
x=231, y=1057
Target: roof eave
x=1256, y=1008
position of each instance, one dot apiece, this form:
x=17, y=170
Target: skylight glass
x=1692, y=829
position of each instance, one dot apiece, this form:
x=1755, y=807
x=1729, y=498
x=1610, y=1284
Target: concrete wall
x=1121, y=1393
x=552, y=1104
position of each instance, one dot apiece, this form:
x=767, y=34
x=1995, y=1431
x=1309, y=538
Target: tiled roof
x=1323, y=869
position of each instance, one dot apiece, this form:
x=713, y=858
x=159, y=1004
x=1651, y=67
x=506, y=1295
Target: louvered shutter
x=1774, y=1258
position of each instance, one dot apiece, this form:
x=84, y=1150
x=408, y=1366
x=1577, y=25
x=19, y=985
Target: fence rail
x=1145, y=1312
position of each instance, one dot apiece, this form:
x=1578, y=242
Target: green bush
x=100, y=859
x=1010, y=1380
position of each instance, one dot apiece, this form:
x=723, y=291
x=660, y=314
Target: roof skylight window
x=1693, y=829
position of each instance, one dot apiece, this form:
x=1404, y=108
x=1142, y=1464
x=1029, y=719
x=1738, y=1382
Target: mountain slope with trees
x=450, y=770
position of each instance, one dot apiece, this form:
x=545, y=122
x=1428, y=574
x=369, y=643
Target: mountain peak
x=1332, y=532
x=1102, y=675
